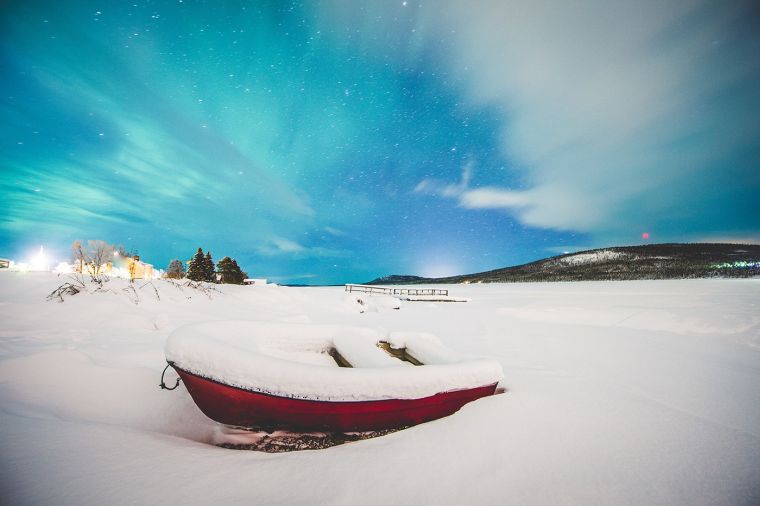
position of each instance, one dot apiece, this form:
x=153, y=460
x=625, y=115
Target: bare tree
x=176, y=270
x=92, y=258
x=122, y=251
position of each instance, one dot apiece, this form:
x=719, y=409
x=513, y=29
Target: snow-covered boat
x=323, y=378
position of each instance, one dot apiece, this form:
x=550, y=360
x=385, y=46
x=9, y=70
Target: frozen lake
x=642, y=392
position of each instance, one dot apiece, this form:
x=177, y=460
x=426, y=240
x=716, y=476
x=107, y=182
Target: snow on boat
x=306, y=377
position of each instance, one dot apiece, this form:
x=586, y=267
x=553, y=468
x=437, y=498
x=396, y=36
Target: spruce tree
x=230, y=272
x=226, y=270
x=209, y=271
x=196, y=270
x=239, y=274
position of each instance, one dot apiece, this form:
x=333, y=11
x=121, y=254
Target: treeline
x=201, y=268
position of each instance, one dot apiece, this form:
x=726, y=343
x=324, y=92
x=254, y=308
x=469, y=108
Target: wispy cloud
x=615, y=114
x=525, y=204
x=280, y=246
x=286, y=245
x=608, y=125
x=495, y=198
x=443, y=189
x=580, y=211
x=478, y=198
x=334, y=231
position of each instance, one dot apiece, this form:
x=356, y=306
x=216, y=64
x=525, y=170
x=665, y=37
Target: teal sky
x=327, y=142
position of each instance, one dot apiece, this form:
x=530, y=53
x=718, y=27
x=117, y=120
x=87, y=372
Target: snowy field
x=641, y=392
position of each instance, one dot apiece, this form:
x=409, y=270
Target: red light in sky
x=645, y=235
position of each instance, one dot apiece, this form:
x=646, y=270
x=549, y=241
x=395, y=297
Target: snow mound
x=292, y=360
x=371, y=303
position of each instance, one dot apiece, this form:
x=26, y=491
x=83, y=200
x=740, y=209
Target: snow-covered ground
x=594, y=257
x=641, y=392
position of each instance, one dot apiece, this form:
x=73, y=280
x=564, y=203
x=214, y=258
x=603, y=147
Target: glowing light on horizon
x=439, y=270
x=645, y=235
x=40, y=261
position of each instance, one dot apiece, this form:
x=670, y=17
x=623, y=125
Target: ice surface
x=641, y=392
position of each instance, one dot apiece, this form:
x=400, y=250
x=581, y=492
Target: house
x=4, y=263
x=138, y=269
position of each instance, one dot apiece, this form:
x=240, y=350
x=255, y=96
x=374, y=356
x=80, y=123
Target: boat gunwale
x=308, y=399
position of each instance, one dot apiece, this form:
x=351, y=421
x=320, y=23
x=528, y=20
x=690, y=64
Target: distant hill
x=651, y=261
x=399, y=279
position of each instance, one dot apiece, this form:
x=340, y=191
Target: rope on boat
x=163, y=385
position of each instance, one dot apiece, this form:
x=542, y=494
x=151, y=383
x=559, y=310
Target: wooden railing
x=390, y=290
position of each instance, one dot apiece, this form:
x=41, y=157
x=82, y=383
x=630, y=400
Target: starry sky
x=337, y=141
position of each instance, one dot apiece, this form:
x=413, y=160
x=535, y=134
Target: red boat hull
x=244, y=408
